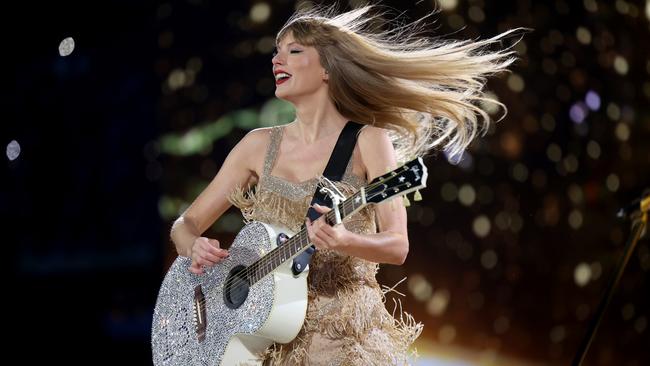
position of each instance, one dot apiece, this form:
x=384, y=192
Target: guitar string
x=275, y=254
x=230, y=282
x=249, y=270
x=369, y=187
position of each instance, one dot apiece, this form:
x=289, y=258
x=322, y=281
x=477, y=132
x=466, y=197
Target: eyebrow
x=288, y=44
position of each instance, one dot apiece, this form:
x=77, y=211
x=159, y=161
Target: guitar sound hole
x=235, y=289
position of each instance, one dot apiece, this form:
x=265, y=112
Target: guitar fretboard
x=299, y=242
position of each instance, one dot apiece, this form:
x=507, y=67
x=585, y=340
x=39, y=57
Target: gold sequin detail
x=347, y=322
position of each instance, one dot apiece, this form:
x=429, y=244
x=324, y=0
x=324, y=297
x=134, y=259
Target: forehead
x=287, y=39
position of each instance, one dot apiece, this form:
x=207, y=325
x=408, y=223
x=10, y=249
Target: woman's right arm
x=237, y=170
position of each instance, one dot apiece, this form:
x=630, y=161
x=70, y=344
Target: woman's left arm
x=390, y=244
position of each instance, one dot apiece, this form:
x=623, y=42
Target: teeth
x=281, y=75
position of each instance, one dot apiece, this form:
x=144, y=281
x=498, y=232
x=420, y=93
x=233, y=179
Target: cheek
x=309, y=70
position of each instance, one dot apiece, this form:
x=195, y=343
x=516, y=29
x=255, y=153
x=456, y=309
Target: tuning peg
x=417, y=196
x=407, y=203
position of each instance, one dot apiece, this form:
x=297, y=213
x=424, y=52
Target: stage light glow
x=620, y=65
x=557, y=334
x=437, y=304
x=481, y=226
x=613, y=111
x=419, y=287
x=502, y=220
x=13, y=150
x=260, y=12
x=612, y=182
x=466, y=195
x=66, y=46
x=447, y=334
x=570, y=163
x=575, y=194
x=575, y=219
x=622, y=6
x=194, y=64
x=592, y=99
x=590, y=5
x=519, y=172
x=448, y=4
x=266, y=45
x=578, y=112
x=583, y=35
x=176, y=79
x=582, y=274
x=554, y=153
x=476, y=14
x=455, y=21
x=593, y=149
x=515, y=83
x=622, y=131
x=489, y=259
x=449, y=192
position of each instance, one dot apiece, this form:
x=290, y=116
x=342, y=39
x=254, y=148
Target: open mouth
x=281, y=78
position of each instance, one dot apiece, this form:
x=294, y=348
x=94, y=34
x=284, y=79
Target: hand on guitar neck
x=206, y=252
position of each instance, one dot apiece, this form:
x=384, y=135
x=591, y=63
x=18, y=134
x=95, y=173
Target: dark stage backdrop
x=107, y=142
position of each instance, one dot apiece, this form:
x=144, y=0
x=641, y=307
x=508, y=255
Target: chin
x=282, y=95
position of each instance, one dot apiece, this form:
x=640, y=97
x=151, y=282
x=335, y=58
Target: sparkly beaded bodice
x=345, y=302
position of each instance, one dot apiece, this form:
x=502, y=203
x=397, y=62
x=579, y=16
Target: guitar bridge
x=199, y=313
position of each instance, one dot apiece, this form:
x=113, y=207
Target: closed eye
x=275, y=52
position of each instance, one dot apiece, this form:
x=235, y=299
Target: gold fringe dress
x=347, y=322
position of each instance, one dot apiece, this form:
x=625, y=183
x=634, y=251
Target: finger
x=321, y=208
x=322, y=235
x=212, y=258
x=318, y=243
x=204, y=262
x=206, y=246
x=214, y=243
x=335, y=230
x=196, y=268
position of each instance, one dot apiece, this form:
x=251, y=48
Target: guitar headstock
x=407, y=178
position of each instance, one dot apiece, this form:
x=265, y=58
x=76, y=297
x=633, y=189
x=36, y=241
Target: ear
x=326, y=75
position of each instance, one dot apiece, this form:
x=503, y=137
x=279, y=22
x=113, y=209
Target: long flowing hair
x=426, y=91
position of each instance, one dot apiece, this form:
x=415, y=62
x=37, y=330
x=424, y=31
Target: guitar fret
x=278, y=256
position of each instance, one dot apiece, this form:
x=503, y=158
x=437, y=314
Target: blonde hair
x=426, y=91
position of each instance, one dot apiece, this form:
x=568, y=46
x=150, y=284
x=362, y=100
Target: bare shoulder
x=372, y=133
x=373, y=140
x=255, y=141
x=377, y=151
x=254, y=146
x=256, y=137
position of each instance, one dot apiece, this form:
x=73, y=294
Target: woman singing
x=411, y=94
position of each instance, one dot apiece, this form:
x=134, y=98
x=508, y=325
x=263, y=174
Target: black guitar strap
x=333, y=171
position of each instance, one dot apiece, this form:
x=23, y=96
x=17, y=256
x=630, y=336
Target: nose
x=276, y=60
